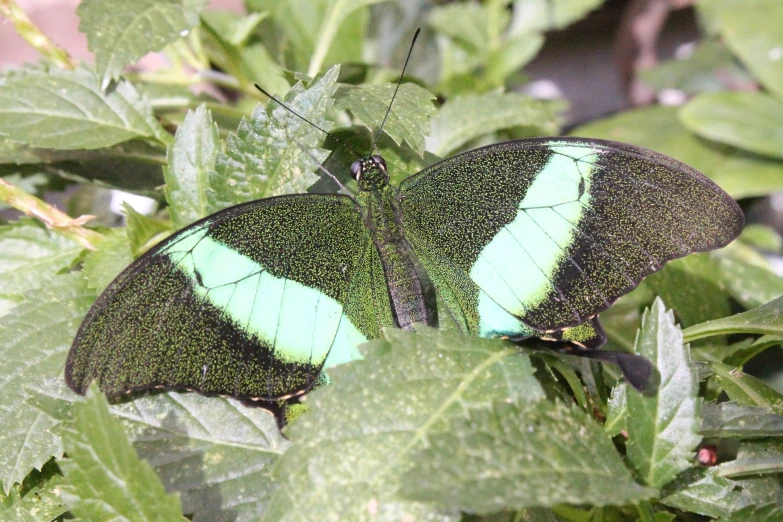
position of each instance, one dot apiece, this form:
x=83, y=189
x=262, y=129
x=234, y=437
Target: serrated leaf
x=230, y=444
x=662, y=428
x=519, y=456
x=36, y=499
x=748, y=120
x=758, y=44
x=732, y=420
x=703, y=491
x=190, y=159
x=33, y=343
x=264, y=158
x=105, y=479
x=120, y=32
x=67, y=110
x=747, y=390
x=739, y=173
x=409, y=117
x=113, y=255
x=466, y=118
x=617, y=414
x=755, y=458
x=764, y=319
x=30, y=254
x=144, y=232
x=350, y=452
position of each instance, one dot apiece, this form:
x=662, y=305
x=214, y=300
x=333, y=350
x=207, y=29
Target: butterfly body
x=524, y=238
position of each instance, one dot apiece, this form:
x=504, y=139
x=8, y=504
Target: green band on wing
x=300, y=322
x=517, y=268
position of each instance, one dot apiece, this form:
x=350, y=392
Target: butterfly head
x=370, y=172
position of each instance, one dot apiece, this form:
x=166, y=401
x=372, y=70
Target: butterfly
x=527, y=238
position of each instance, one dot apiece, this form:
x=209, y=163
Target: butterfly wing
x=250, y=302
x=546, y=233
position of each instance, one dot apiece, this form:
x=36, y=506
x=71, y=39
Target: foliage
x=429, y=426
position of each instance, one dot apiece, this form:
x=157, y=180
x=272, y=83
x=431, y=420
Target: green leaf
x=750, y=285
x=409, y=117
x=264, y=158
x=190, y=160
x=745, y=29
x=36, y=499
x=33, y=343
x=144, y=232
x=120, y=32
x=748, y=120
x=710, y=68
x=617, y=414
x=739, y=173
x=351, y=451
x=662, y=428
x=764, y=319
x=232, y=28
x=30, y=254
x=703, y=491
x=762, y=237
x=113, y=255
x=767, y=513
x=755, y=458
x=747, y=390
x=513, y=457
x=105, y=479
x=67, y=110
x=732, y=420
x=542, y=15
x=230, y=444
x=465, y=118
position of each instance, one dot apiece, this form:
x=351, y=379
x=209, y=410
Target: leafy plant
x=431, y=425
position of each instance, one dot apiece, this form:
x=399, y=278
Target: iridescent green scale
x=518, y=239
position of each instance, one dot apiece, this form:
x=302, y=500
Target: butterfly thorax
x=410, y=290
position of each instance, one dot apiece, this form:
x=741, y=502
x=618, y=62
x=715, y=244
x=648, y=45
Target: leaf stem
x=30, y=32
x=53, y=218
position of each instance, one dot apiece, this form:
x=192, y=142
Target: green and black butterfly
x=528, y=238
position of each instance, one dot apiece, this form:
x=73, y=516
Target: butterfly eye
x=356, y=169
x=380, y=161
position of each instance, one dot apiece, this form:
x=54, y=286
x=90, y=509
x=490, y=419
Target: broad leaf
x=232, y=445
x=264, y=158
x=190, y=159
x=703, y=491
x=745, y=29
x=739, y=173
x=30, y=254
x=121, y=32
x=231, y=27
x=748, y=120
x=36, y=499
x=114, y=253
x=68, y=110
x=755, y=458
x=541, y=15
x=466, y=118
x=519, y=456
x=350, y=453
x=144, y=232
x=764, y=319
x=33, y=343
x=105, y=479
x=732, y=420
x=662, y=428
x=409, y=117
x=747, y=390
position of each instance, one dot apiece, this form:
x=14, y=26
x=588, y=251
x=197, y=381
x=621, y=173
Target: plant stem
x=30, y=32
x=50, y=215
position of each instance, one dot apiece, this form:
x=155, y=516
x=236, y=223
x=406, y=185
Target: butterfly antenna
x=375, y=143
x=335, y=138
x=321, y=167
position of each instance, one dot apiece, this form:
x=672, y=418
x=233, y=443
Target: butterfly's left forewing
x=251, y=302
x=546, y=233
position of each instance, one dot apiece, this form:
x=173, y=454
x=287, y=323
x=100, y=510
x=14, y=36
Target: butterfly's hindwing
x=252, y=302
x=553, y=231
